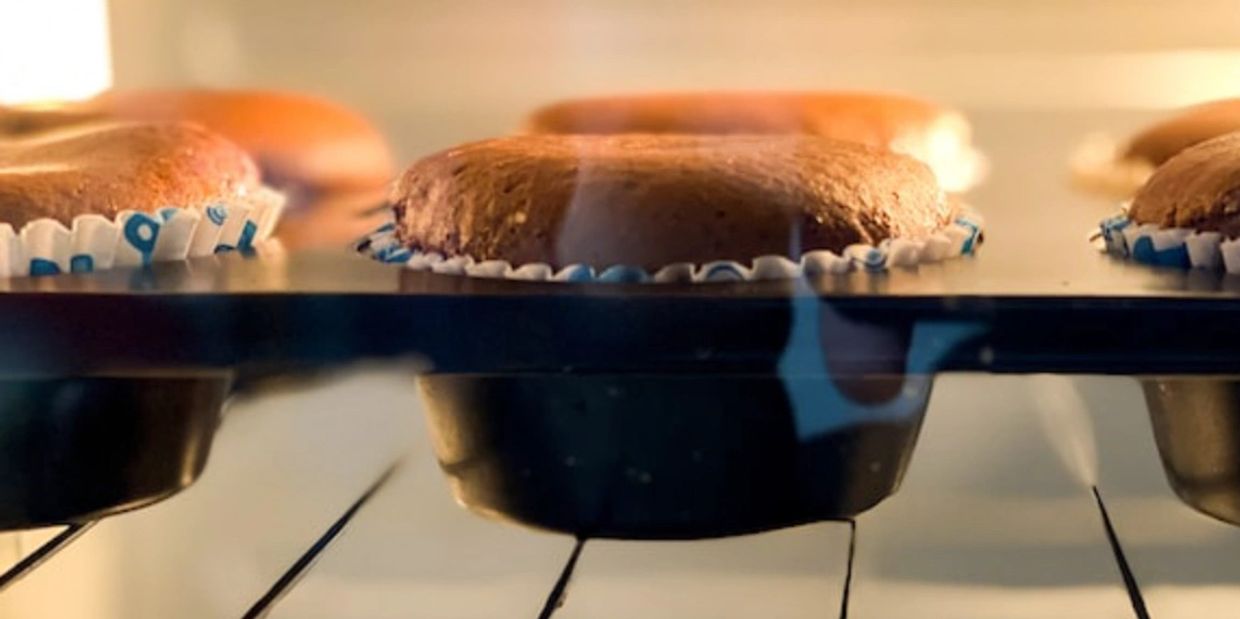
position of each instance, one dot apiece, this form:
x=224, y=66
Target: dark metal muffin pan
x=506, y=359
x=314, y=310
x=823, y=432
x=682, y=456
x=1036, y=299
x=79, y=448
x=1196, y=425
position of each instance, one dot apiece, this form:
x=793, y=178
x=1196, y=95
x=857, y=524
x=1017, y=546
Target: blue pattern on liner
x=974, y=232
x=1172, y=257
x=867, y=258
x=141, y=232
x=382, y=245
x=82, y=263
x=382, y=254
x=1143, y=250
x=248, y=232
x=393, y=254
x=217, y=214
x=43, y=266
x=875, y=259
x=623, y=274
x=576, y=273
x=722, y=271
x=1113, y=234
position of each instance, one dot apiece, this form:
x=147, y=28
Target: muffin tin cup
x=80, y=448
x=820, y=428
x=671, y=456
x=1196, y=425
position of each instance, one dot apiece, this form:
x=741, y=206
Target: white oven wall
x=988, y=523
x=436, y=72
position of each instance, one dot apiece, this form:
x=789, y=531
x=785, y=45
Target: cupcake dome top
x=108, y=168
x=1198, y=188
x=653, y=200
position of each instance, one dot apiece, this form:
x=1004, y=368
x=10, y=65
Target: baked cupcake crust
x=653, y=200
x=1199, y=188
x=108, y=168
x=1162, y=141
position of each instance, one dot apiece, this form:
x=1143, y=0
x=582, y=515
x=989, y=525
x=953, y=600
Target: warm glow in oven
x=53, y=50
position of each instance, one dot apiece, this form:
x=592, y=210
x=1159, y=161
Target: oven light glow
x=53, y=50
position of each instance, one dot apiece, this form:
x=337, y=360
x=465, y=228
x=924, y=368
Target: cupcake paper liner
x=94, y=242
x=1182, y=248
x=961, y=238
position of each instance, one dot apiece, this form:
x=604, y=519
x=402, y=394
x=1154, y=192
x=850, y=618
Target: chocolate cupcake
x=301, y=143
x=330, y=162
x=1187, y=213
x=670, y=208
x=1118, y=171
x=85, y=197
x=936, y=135
x=714, y=447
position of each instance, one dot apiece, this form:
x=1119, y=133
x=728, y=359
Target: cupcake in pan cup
x=1187, y=215
x=669, y=209
x=89, y=197
x=94, y=196
x=939, y=136
x=713, y=447
x=1117, y=170
x=330, y=162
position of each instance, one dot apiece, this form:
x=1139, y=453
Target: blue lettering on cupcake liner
x=141, y=232
x=1168, y=247
x=82, y=263
x=383, y=245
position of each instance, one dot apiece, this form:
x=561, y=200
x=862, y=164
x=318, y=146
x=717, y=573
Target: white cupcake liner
x=94, y=242
x=960, y=238
x=1182, y=248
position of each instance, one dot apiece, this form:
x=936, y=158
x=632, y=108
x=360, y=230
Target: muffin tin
x=580, y=407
